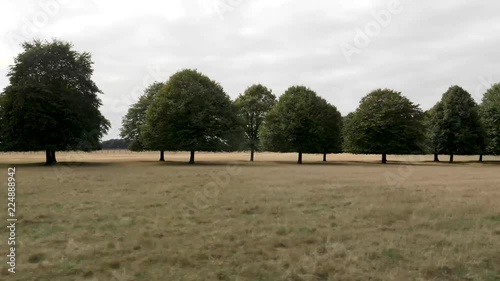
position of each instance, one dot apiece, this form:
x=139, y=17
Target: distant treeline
x=114, y=144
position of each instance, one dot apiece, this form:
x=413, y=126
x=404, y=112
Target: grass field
x=125, y=216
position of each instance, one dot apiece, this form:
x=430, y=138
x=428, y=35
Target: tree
x=330, y=130
x=135, y=119
x=456, y=128
x=191, y=113
x=51, y=102
x=384, y=123
x=431, y=141
x=252, y=107
x=297, y=123
x=490, y=115
x=153, y=132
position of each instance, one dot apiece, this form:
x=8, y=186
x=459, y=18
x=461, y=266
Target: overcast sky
x=340, y=49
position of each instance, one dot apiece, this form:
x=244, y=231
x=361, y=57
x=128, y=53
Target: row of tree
x=52, y=104
x=192, y=113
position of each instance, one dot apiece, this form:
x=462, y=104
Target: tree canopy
x=431, y=143
x=330, y=130
x=190, y=113
x=252, y=107
x=384, y=123
x=297, y=124
x=51, y=102
x=135, y=118
x=490, y=115
x=455, y=125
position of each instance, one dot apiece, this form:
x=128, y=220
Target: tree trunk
x=300, y=158
x=252, y=151
x=191, y=158
x=451, y=158
x=481, y=158
x=436, y=157
x=384, y=158
x=162, y=155
x=53, y=157
x=48, y=157
x=324, y=157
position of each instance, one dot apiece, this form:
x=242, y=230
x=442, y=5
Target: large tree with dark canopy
x=135, y=119
x=252, y=107
x=191, y=113
x=384, y=123
x=456, y=127
x=302, y=122
x=51, y=103
x=490, y=115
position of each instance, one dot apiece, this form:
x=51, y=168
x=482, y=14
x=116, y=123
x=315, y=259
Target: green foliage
x=252, y=107
x=51, y=102
x=135, y=118
x=330, y=130
x=190, y=113
x=346, y=121
x=114, y=144
x=490, y=115
x=455, y=126
x=302, y=122
x=154, y=131
x=384, y=123
x=430, y=117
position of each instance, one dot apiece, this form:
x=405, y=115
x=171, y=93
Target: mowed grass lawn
x=125, y=216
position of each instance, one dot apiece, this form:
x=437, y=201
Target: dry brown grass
x=124, y=216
